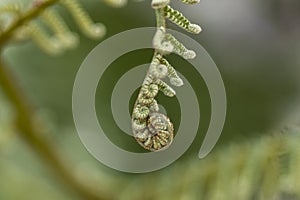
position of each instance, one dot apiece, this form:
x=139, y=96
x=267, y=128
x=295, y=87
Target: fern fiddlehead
x=153, y=130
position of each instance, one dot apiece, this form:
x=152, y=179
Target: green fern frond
x=160, y=137
x=179, y=48
x=60, y=29
x=165, y=88
x=84, y=21
x=8, y=13
x=172, y=74
x=49, y=44
x=63, y=38
x=264, y=168
x=177, y=18
x=14, y=8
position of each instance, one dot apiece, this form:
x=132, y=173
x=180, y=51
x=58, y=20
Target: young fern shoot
x=153, y=130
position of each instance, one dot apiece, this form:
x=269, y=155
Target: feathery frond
x=160, y=137
x=62, y=39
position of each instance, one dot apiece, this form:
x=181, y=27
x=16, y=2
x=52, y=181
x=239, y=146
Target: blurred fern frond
x=19, y=23
x=266, y=168
x=23, y=22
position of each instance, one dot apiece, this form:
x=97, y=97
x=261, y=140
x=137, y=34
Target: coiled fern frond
x=153, y=130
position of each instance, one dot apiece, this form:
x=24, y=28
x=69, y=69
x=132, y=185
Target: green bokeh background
x=259, y=66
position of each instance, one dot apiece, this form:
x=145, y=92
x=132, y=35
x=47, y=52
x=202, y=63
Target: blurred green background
x=255, y=45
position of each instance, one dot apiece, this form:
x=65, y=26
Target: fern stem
x=34, y=136
x=160, y=19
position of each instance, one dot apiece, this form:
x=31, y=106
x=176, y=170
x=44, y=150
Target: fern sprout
x=159, y=132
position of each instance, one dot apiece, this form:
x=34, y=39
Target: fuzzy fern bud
x=158, y=70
